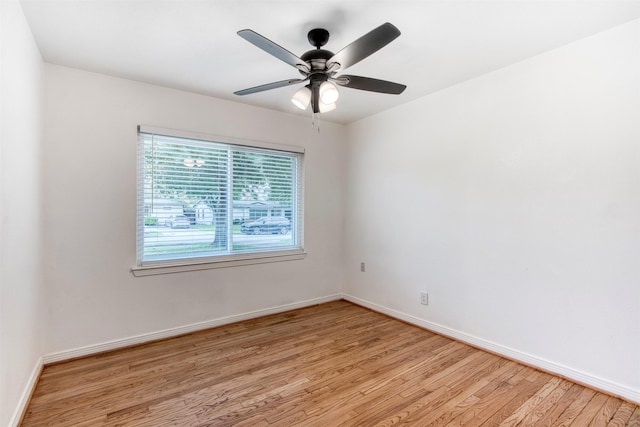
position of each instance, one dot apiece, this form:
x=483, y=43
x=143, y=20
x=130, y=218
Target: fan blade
x=372, y=85
x=371, y=42
x=273, y=49
x=269, y=86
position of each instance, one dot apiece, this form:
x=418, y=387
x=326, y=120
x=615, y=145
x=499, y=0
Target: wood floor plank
x=489, y=398
x=575, y=408
x=606, y=413
x=438, y=394
x=527, y=408
x=464, y=394
x=634, y=420
x=560, y=406
x=533, y=416
x=524, y=390
x=590, y=410
x=334, y=364
x=622, y=415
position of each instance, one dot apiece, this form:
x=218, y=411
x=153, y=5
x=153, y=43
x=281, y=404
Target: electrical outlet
x=424, y=298
x=362, y=267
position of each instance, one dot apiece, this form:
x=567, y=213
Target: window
x=198, y=198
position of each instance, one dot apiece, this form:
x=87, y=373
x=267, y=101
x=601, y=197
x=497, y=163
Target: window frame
x=174, y=265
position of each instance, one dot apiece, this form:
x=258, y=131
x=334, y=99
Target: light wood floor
x=329, y=365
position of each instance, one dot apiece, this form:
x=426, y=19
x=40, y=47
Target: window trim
x=222, y=261
x=177, y=265
x=175, y=133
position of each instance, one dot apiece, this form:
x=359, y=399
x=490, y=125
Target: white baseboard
x=168, y=333
x=15, y=419
x=534, y=361
x=598, y=383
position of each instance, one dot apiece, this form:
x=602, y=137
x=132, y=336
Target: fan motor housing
x=317, y=58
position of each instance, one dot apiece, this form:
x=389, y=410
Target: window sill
x=178, y=266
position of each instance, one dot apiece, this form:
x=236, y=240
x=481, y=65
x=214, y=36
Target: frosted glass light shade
x=325, y=108
x=302, y=98
x=328, y=93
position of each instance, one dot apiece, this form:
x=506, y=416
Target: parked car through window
x=267, y=225
x=178, y=221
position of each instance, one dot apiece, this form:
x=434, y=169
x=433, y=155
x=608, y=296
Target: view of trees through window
x=204, y=198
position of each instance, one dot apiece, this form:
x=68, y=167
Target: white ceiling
x=192, y=45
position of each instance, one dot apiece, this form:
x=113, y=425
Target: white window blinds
x=202, y=200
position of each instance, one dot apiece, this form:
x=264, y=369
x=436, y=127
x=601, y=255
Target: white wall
x=21, y=333
x=90, y=212
x=514, y=200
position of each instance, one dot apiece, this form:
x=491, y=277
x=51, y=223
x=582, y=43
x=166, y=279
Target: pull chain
x=315, y=121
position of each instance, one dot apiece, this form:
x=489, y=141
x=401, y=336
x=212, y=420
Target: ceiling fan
x=320, y=67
